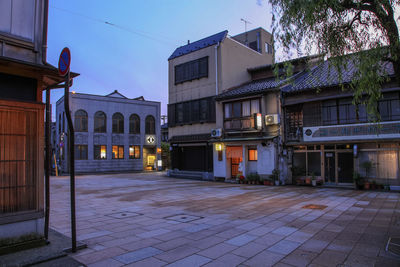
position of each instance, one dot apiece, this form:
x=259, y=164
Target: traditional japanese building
x=24, y=74
x=326, y=135
x=249, y=117
x=198, y=72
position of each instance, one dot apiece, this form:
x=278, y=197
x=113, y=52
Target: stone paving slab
x=157, y=220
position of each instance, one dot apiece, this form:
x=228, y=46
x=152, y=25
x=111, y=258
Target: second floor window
x=117, y=123
x=191, y=70
x=81, y=121
x=134, y=124
x=100, y=122
x=238, y=115
x=194, y=111
x=241, y=109
x=150, y=125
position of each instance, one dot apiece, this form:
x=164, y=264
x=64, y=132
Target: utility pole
x=163, y=118
x=245, y=29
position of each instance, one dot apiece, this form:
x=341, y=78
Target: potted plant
x=386, y=187
x=367, y=165
x=275, y=176
x=358, y=181
x=373, y=185
x=313, y=179
x=267, y=181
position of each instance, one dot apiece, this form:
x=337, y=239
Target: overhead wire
x=123, y=28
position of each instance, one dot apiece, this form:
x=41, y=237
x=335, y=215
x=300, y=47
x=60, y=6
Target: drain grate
x=183, y=218
x=123, y=214
x=393, y=245
x=315, y=207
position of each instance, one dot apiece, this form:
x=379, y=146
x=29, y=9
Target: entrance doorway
x=345, y=167
x=149, y=158
x=330, y=176
x=235, y=153
x=235, y=166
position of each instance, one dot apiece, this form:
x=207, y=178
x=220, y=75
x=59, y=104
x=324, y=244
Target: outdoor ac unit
x=216, y=132
x=271, y=119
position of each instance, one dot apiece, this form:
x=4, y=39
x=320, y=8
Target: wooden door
x=20, y=159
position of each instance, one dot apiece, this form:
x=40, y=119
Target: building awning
x=46, y=73
x=243, y=139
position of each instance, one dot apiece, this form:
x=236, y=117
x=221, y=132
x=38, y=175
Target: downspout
x=216, y=68
x=45, y=24
x=279, y=143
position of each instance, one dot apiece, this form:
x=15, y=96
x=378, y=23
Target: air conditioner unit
x=271, y=119
x=216, y=132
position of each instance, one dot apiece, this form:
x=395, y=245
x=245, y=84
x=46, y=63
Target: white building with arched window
x=112, y=133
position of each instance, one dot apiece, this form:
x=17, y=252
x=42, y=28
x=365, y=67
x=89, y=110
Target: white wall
x=263, y=166
x=266, y=158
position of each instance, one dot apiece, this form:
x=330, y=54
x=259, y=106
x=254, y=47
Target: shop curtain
x=234, y=152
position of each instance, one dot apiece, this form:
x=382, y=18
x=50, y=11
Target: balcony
x=239, y=124
x=294, y=134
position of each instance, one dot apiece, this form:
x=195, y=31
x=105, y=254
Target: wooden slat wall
x=18, y=160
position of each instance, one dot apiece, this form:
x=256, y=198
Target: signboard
x=150, y=140
x=64, y=61
x=352, y=132
x=257, y=121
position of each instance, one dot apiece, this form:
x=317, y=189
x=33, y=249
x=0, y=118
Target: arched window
x=100, y=122
x=81, y=121
x=150, y=125
x=117, y=123
x=134, y=124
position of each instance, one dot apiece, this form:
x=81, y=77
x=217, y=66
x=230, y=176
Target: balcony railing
x=239, y=124
x=294, y=134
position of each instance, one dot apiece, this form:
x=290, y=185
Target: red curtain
x=234, y=152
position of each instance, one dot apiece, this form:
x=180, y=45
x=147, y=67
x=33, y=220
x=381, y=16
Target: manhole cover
x=315, y=207
x=123, y=214
x=183, y=218
x=393, y=245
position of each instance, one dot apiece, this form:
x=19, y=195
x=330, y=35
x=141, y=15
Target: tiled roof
x=326, y=75
x=251, y=88
x=208, y=41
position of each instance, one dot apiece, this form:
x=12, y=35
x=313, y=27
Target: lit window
x=134, y=152
x=100, y=152
x=253, y=155
x=117, y=152
x=150, y=160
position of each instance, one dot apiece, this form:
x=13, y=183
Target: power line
x=135, y=32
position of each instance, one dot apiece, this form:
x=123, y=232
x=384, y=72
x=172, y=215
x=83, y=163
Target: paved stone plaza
x=152, y=220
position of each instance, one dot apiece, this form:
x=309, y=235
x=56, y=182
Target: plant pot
x=308, y=180
x=360, y=186
x=314, y=182
x=276, y=182
x=267, y=182
x=366, y=186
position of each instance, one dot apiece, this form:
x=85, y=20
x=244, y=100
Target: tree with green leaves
x=336, y=28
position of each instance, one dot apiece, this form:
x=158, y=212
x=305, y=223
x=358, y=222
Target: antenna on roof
x=245, y=29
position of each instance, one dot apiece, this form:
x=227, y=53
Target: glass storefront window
x=387, y=164
x=314, y=163
x=299, y=164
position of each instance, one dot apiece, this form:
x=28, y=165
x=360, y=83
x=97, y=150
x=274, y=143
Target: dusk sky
x=124, y=45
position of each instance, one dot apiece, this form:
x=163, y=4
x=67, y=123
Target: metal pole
x=71, y=136
x=47, y=164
